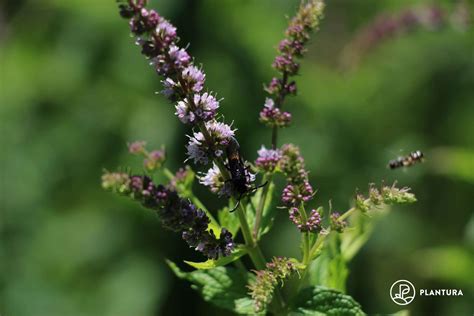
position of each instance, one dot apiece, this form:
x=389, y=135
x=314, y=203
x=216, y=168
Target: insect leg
x=237, y=204
x=252, y=190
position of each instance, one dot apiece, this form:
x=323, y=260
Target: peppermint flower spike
x=286, y=63
x=292, y=47
x=273, y=116
x=196, y=149
x=184, y=113
x=386, y=195
x=267, y=159
x=137, y=147
x=337, y=224
x=216, y=182
x=182, y=178
x=179, y=56
x=267, y=280
x=194, y=78
x=183, y=81
x=312, y=224
x=154, y=159
x=176, y=214
x=295, y=194
x=205, y=108
x=298, y=189
x=201, y=150
x=117, y=182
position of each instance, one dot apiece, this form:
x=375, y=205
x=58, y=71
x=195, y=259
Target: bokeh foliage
x=74, y=90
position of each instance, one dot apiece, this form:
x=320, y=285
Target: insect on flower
x=241, y=178
x=406, y=161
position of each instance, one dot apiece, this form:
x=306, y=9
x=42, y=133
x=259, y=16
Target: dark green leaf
x=224, y=287
x=319, y=300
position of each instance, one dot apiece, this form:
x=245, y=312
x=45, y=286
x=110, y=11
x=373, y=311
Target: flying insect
x=406, y=161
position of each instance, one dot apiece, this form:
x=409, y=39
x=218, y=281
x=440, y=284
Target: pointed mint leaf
x=224, y=287
x=319, y=300
x=211, y=263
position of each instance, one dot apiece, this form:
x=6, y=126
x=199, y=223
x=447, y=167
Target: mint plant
x=311, y=284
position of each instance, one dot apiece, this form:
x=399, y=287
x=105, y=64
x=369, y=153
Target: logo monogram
x=402, y=292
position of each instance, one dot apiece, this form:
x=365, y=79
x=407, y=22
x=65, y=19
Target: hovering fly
x=240, y=177
x=406, y=161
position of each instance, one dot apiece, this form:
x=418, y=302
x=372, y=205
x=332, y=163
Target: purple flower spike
x=336, y=223
x=184, y=112
x=312, y=224
x=166, y=32
x=194, y=78
x=137, y=147
x=179, y=57
x=268, y=159
x=175, y=213
x=201, y=150
x=216, y=182
x=154, y=160
x=206, y=106
x=290, y=49
x=273, y=116
x=294, y=194
x=203, y=108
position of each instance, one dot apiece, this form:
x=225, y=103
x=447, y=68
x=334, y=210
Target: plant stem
x=261, y=205
x=274, y=137
x=317, y=245
x=256, y=254
x=305, y=237
x=313, y=250
x=308, y=259
x=168, y=173
x=347, y=214
x=249, y=241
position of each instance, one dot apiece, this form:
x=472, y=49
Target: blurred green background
x=75, y=89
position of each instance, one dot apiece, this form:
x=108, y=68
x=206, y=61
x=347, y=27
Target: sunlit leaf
x=223, y=286
x=319, y=300
x=211, y=263
x=229, y=220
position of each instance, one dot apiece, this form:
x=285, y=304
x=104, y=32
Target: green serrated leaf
x=229, y=220
x=210, y=264
x=319, y=300
x=245, y=306
x=224, y=287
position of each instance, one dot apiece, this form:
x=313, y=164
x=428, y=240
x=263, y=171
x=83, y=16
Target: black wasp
x=406, y=161
x=240, y=177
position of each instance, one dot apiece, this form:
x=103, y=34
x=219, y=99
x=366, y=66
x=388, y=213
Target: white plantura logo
x=402, y=292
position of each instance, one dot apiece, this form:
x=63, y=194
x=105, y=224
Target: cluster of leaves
x=226, y=287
